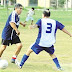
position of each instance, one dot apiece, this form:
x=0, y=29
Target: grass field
x=41, y=62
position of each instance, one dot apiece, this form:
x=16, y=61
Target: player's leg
x=14, y=57
x=32, y=20
x=5, y=43
x=51, y=50
x=29, y=51
x=36, y=48
x=55, y=60
x=3, y=47
x=25, y=57
x=19, y=46
x=27, y=19
x=18, y=49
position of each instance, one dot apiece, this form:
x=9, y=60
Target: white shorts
x=28, y=18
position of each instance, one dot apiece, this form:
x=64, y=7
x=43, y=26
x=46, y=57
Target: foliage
x=61, y=3
x=13, y=1
x=33, y=1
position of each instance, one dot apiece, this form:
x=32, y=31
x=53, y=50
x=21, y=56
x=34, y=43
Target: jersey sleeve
x=13, y=18
x=38, y=22
x=59, y=25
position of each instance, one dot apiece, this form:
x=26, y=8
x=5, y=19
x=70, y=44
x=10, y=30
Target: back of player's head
x=17, y=6
x=33, y=8
x=46, y=13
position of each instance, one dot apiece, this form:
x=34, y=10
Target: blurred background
x=52, y=4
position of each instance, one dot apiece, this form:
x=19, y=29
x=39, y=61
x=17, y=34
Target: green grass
x=41, y=62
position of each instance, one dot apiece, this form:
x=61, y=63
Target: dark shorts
x=37, y=49
x=8, y=42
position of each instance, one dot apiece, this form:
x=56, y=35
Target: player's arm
x=13, y=25
x=33, y=26
x=65, y=31
x=62, y=27
x=37, y=25
x=23, y=24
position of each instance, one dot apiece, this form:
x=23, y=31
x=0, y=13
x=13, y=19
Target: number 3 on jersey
x=49, y=28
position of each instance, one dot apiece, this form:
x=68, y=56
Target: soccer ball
x=3, y=64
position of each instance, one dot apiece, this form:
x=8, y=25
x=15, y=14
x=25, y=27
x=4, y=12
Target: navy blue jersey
x=8, y=32
x=47, y=31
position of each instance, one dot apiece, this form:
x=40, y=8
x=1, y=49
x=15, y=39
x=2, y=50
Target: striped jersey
x=8, y=32
x=47, y=31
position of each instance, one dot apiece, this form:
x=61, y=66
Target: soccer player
x=46, y=38
x=29, y=15
x=10, y=33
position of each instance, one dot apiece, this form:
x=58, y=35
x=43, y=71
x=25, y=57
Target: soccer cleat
x=20, y=66
x=18, y=63
x=13, y=60
x=60, y=69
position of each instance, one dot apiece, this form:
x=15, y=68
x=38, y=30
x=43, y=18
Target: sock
x=56, y=62
x=25, y=57
x=14, y=57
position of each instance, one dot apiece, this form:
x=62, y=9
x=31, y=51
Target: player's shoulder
x=38, y=22
x=14, y=13
x=40, y=19
x=57, y=22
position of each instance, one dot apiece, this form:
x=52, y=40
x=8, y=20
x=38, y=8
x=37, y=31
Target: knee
x=53, y=55
x=19, y=45
x=3, y=47
x=29, y=51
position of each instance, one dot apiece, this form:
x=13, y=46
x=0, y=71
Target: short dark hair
x=46, y=13
x=17, y=6
x=33, y=8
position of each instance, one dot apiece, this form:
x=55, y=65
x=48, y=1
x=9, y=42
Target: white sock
x=14, y=56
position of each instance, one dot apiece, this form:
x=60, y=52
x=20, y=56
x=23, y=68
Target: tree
x=33, y=2
x=61, y=3
x=13, y=1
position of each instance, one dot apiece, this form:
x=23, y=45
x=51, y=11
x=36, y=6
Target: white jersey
x=30, y=13
x=47, y=31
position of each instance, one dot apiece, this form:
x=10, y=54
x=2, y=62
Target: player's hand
x=70, y=35
x=18, y=33
x=24, y=25
x=33, y=26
